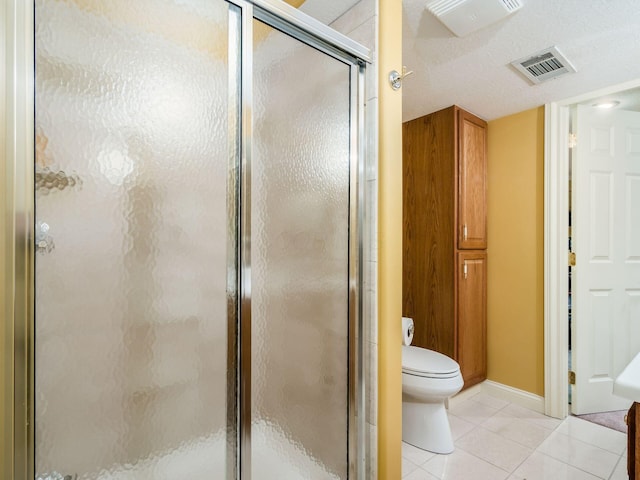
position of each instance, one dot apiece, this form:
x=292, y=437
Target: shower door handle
x=44, y=241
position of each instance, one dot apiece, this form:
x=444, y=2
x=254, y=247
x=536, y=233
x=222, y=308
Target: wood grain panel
x=633, y=442
x=428, y=236
x=472, y=316
x=472, y=181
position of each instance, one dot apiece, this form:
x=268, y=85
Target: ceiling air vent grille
x=544, y=65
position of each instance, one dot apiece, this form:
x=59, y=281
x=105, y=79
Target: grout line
x=485, y=460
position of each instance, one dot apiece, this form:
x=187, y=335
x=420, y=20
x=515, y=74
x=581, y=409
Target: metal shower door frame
x=303, y=28
x=17, y=130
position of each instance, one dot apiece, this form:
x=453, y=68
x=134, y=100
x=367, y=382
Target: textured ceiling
x=325, y=11
x=600, y=37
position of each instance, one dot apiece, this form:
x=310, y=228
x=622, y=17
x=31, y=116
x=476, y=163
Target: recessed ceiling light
x=607, y=104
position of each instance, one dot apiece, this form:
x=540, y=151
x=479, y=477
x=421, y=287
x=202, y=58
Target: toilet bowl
x=428, y=379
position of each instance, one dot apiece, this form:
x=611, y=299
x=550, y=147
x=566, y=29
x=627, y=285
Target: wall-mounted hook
x=395, y=78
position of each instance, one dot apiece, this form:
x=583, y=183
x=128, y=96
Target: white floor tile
x=407, y=467
x=494, y=448
x=473, y=412
x=593, y=434
x=620, y=472
x=542, y=467
x=459, y=427
x=420, y=474
x=415, y=455
x=525, y=433
x=498, y=440
x=579, y=454
x=461, y=465
x=490, y=401
x=516, y=411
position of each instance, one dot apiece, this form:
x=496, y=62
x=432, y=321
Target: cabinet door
x=472, y=316
x=472, y=181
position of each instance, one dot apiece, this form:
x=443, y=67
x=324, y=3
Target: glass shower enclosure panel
x=300, y=187
x=135, y=270
x=197, y=248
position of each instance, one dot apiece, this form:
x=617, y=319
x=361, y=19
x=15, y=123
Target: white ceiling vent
x=544, y=65
x=463, y=17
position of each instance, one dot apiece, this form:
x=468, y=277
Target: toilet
x=428, y=379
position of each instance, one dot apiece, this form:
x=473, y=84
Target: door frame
x=556, y=222
x=17, y=204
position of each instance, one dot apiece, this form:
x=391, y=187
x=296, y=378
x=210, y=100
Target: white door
x=606, y=280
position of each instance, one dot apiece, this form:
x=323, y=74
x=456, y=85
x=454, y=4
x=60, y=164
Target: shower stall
x=194, y=258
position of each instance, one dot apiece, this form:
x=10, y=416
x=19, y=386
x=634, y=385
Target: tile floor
x=497, y=440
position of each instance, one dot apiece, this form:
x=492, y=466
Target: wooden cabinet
x=471, y=328
x=633, y=442
x=472, y=181
x=444, y=220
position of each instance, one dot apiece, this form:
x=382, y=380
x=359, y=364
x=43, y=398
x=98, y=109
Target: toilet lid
x=423, y=362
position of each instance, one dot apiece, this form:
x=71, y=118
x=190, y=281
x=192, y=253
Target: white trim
x=514, y=395
x=556, y=163
x=524, y=399
x=556, y=222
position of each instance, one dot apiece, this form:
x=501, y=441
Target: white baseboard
x=505, y=392
x=514, y=395
x=521, y=398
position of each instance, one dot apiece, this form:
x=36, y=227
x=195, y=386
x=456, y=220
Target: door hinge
x=573, y=140
x=572, y=377
x=572, y=259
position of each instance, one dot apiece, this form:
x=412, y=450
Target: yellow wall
x=389, y=244
x=516, y=239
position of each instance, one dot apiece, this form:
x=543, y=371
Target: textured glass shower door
x=135, y=271
x=300, y=232
x=197, y=242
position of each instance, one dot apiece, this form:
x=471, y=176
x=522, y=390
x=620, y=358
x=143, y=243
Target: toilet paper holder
x=411, y=325
x=408, y=329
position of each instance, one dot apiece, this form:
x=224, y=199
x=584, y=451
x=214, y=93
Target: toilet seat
x=421, y=362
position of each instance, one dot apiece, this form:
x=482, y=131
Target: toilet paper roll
x=407, y=330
